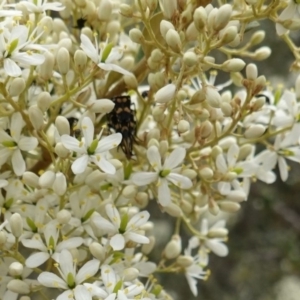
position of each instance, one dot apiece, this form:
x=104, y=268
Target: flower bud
x=60, y=184
x=217, y=233
x=228, y=34
x=16, y=224
x=184, y=261
x=213, y=98
x=173, y=248
x=190, y=173
x=61, y=150
x=129, y=191
x=63, y=60
x=222, y=17
x=165, y=94
x=165, y=26
x=147, y=248
x=206, y=129
x=257, y=37
x=3, y=237
x=131, y=82
x=141, y=199
x=233, y=65
x=226, y=109
x=43, y=101
x=97, y=251
x=213, y=207
x=136, y=35
x=104, y=10
x=31, y=179
x=173, y=40
x=126, y=10
x=262, y=53
x=63, y=216
x=16, y=87
x=130, y=274
x=62, y=125
x=169, y=8
x=200, y=18
x=80, y=60
x=190, y=59
x=15, y=269
x=191, y=32
x=45, y=70
x=173, y=210
x=103, y=106
x=254, y=131
x=251, y=72
x=183, y=126
x=236, y=196
x=18, y=286
x=206, y=173
x=36, y=117
x=46, y=180
x=228, y=206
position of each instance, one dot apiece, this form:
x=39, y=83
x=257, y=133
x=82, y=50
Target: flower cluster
x=75, y=209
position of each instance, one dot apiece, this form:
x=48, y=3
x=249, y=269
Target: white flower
x=13, y=144
x=292, y=11
x=70, y=280
x=113, y=289
x=40, y=6
x=15, y=48
x=49, y=248
x=107, y=57
x=89, y=150
x=122, y=230
x=163, y=174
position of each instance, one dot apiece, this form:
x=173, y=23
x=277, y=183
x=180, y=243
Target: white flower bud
x=258, y=103
x=236, y=196
x=222, y=17
x=45, y=70
x=16, y=224
x=257, y=37
x=186, y=207
x=200, y=18
x=104, y=10
x=136, y=35
x=251, y=71
x=228, y=206
x=63, y=60
x=262, y=53
x=213, y=207
x=31, y=179
x=60, y=184
x=152, y=4
x=173, y=248
x=206, y=173
x=36, y=117
x=63, y=216
x=131, y=82
x=226, y=109
x=206, y=129
x=16, y=87
x=62, y=125
x=191, y=33
x=213, y=98
x=184, y=261
x=3, y=237
x=18, y=286
x=173, y=40
x=65, y=42
x=126, y=10
x=173, y=210
x=94, y=178
x=15, y=269
x=183, y=126
x=228, y=34
x=233, y=65
x=130, y=274
x=43, y=101
x=97, y=251
x=165, y=26
x=254, y=131
x=169, y=8
x=245, y=151
x=190, y=173
x=103, y=106
x=260, y=82
x=129, y=191
x=157, y=55
x=61, y=150
x=190, y=59
x=147, y=248
x=46, y=180
x=141, y=199
x=165, y=94
x=80, y=60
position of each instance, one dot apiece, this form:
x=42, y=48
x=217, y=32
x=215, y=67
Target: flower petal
x=164, y=195
x=154, y=158
x=144, y=178
x=175, y=158
x=179, y=180
x=18, y=163
x=109, y=142
x=51, y=280
x=88, y=270
x=117, y=242
x=87, y=127
x=37, y=259
x=80, y=164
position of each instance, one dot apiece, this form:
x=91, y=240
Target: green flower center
x=92, y=148
x=164, y=173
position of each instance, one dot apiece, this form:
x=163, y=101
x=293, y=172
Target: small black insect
x=122, y=119
x=80, y=23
